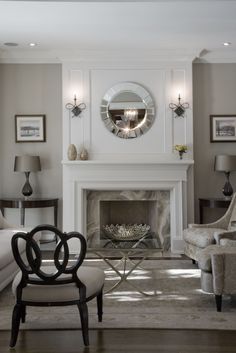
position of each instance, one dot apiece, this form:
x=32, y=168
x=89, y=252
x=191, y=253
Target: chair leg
x=218, y=299
x=23, y=313
x=16, y=316
x=100, y=305
x=83, y=310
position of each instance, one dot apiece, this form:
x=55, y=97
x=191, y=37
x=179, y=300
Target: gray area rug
x=178, y=302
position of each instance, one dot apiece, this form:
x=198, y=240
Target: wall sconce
x=76, y=109
x=179, y=109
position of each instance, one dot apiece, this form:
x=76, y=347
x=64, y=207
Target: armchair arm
x=217, y=224
x=217, y=263
x=231, y=235
x=223, y=270
x=223, y=222
x=3, y=222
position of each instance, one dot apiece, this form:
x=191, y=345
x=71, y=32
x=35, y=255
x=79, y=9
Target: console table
x=22, y=204
x=212, y=203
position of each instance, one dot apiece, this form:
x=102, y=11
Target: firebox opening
x=127, y=212
x=106, y=207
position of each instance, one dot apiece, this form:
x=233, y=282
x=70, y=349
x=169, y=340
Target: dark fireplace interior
x=128, y=212
x=129, y=207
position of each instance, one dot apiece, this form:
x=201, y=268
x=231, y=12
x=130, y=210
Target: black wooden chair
x=60, y=284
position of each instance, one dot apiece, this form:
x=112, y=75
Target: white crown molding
x=219, y=57
x=132, y=56
x=27, y=57
x=57, y=56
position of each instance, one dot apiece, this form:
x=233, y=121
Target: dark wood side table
x=212, y=203
x=22, y=204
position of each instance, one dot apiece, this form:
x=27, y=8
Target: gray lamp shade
x=27, y=164
x=225, y=163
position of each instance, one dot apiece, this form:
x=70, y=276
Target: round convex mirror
x=127, y=110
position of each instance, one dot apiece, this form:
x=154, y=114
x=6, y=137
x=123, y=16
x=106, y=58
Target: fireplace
x=128, y=207
x=83, y=179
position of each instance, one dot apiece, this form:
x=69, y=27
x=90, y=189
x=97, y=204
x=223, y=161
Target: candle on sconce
x=75, y=108
x=179, y=109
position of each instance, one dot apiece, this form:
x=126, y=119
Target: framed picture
x=30, y=128
x=223, y=128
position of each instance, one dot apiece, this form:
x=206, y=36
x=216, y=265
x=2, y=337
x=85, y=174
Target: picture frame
x=223, y=128
x=30, y=128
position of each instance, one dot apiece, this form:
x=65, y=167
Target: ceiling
x=197, y=27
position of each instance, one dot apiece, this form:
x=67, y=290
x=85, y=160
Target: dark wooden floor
x=122, y=341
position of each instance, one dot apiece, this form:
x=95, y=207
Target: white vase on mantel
x=72, y=152
x=83, y=154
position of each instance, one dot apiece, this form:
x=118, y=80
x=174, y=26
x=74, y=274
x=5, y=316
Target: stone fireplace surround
x=128, y=207
x=80, y=177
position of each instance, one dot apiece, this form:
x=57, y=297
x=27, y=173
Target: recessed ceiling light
x=226, y=44
x=32, y=44
x=11, y=44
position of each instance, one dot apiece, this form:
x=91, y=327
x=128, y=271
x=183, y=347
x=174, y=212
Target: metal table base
x=128, y=256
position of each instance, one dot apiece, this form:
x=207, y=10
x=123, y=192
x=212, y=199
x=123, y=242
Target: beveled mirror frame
x=146, y=99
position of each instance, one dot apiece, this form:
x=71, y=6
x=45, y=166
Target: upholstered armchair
x=218, y=264
x=199, y=236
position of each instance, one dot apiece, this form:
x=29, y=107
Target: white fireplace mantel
x=80, y=176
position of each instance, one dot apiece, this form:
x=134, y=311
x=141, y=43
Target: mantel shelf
x=182, y=162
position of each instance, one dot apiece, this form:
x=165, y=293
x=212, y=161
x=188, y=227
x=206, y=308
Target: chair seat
x=201, y=237
x=93, y=278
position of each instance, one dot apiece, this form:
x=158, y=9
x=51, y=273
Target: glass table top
x=148, y=243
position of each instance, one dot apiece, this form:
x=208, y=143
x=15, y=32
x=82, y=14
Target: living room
x=85, y=54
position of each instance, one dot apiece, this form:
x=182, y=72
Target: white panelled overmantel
x=144, y=163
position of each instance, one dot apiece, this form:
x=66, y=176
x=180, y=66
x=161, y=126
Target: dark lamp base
x=27, y=189
x=227, y=189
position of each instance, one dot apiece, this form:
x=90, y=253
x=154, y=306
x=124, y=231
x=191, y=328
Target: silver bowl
x=126, y=231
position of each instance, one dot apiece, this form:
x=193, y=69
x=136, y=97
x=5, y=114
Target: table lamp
x=226, y=164
x=27, y=164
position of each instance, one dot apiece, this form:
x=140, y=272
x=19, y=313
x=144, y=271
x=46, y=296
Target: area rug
x=175, y=301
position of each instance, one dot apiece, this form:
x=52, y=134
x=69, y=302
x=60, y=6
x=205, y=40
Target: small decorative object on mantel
x=75, y=108
x=179, y=109
x=181, y=149
x=83, y=154
x=72, y=152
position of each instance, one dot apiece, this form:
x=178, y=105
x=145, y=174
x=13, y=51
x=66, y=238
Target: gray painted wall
x=37, y=89
x=214, y=92
x=31, y=89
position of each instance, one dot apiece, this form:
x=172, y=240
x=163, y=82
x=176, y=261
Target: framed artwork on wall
x=223, y=128
x=30, y=128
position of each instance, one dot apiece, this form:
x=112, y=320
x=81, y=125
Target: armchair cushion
x=201, y=237
x=93, y=278
x=227, y=242
x=222, y=238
